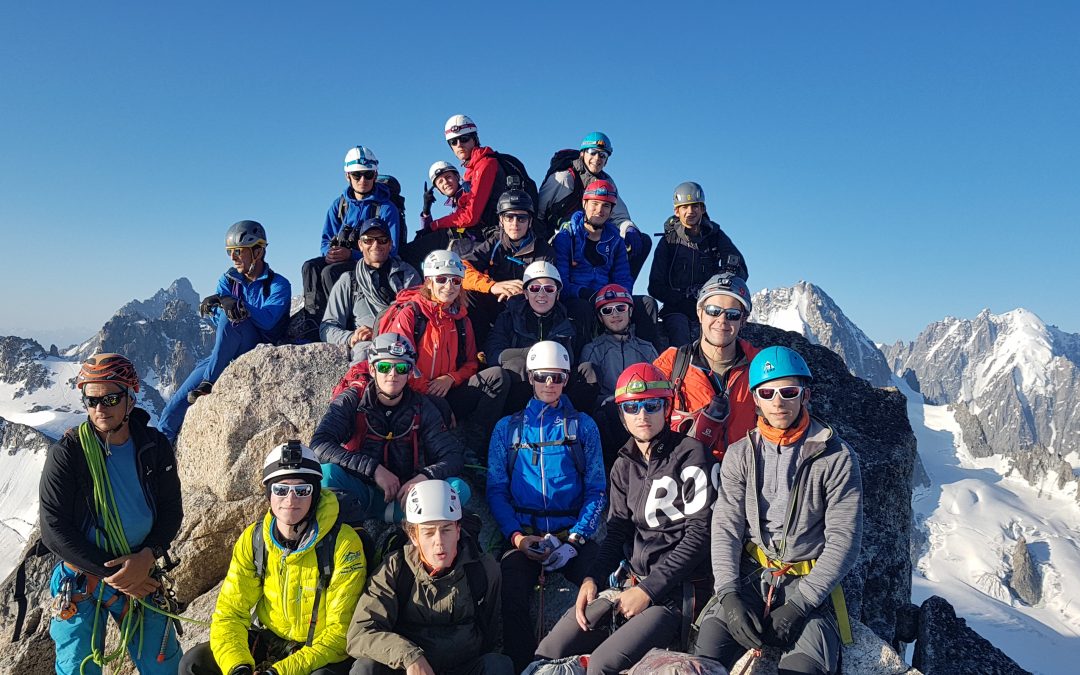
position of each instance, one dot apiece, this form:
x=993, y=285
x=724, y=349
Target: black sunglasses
x=109, y=400
x=729, y=314
x=454, y=142
x=363, y=175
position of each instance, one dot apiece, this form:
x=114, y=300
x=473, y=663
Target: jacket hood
x=434, y=311
x=577, y=227
x=535, y=407
x=478, y=154
x=467, y=552
x=233, y=275
x=380, y=194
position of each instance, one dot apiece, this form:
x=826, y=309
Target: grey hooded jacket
x=352, y=304
x=824, y=523
x=610, y=354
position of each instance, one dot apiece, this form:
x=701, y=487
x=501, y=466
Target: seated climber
x=712, y=401
x=538, y=315
x=777, y=563
x=495, y=268
x=249, y=307
x=655, y=555
x=375, y=444
x=547, y=491
x=110, y=506
x=590, y=254
x=360, y=295
x=435, y=319
x=432, y=606
x=692, y=250
x=562, y=189
x=297, y=570
x=611, y=353
x=444, y=177
x=364, y=197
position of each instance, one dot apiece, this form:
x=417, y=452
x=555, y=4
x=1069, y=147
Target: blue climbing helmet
x=775, y=362
x=597, y=140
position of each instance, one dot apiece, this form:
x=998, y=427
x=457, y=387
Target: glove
x=242, y=669
x=559, y=557
x=234, y=309
x=429, y=198
x=425, y=221
x=626, y=227
x=206, y=307
x=743, y=625
x=785, y=624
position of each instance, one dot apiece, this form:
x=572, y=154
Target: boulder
x=948, y=646
x=1025, y=580
x=867, y=655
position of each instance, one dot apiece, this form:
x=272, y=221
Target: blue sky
x=915, y=160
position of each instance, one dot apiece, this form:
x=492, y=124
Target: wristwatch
x=576, y=539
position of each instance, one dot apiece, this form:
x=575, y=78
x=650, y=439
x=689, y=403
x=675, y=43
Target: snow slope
x=50, y=410
x=972, y=514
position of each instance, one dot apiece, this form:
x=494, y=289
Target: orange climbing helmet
x=108, y=368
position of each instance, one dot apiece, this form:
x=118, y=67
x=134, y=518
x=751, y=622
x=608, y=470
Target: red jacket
x=438, y=348
x=697, y=388
x=480, y=172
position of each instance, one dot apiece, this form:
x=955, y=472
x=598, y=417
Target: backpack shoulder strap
x=573, y=439
x=266, y=284
x=478, y=582
x=324, y=554
x=517, y=421
x=342, y=209
x=683, y=356
x=404, y=582
x=258, y=549
x=461, y=341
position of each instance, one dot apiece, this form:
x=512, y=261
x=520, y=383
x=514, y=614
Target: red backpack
x=358, y=377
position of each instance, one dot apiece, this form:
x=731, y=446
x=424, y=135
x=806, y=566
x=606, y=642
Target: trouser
x=485, y=664
x=587, y=324
x=637, y=251
x=361, y=499
x=519, y=577
x=73, y=637
x=200, y=660
x=483, y=310
x=581, y=389
x=481, y=400
x=232, y=340
x=613, y=434
x=427, y=241
x=680, y=322
x=319, y=277
x=817, y=649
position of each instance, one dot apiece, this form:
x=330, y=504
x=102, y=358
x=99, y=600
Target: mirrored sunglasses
x=302, y=491
x=446, y=278
x=108, y=400
x=547, y=288
x=377, y=241
x=650, y=405
x=516, y=217
x=614, y=308
x=363, y=175
x=400, y=367
x=593, y=152
x=729, y=314
x=550, y=376
x=786, y=393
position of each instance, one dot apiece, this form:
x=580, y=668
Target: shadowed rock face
x=1025, y=580
x=19, y=364
x=947, y=646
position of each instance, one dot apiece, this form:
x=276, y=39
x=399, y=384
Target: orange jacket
x=697, y=390
x=438, y=349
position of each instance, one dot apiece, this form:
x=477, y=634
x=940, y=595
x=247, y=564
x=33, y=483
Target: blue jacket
x=377, y=204
x=267, y=299
x=580, y=279
x=550, y=483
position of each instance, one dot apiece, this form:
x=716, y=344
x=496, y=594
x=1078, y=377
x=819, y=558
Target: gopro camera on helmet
x=732, y=264
x=291, y=455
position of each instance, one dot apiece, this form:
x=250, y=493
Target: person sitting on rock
x=537, y=315
x=616, y=349
x=495, y=268
x=297, y=570
x=444, y=177
x=655, y=555
x=359, y=296
x=590, y=254
x=786, y=529
x=432, y=606
x=693, y=249
x=712, y=401
x=250, y=306
x=377, y=443
x=435, y=319
x=110, y=506
x=547, y=492
x=561, y=192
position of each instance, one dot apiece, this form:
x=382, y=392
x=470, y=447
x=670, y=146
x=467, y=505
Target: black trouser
x=485, y=664
x=613, y=434
x=587, y=324
x=481, y=400
x=319, y=278
x=639, y=251
x=264, y=646
x=519, y=577
x=427, y=241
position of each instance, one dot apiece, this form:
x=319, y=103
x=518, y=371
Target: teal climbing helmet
x=775, y=362
x=597, y=140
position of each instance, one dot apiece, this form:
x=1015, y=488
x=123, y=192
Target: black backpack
x=563, y=160
x=511, y=175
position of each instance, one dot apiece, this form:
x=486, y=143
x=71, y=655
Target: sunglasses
x=650, y=405
x=363, y=175
x=593, y=152
x=549, y=376
x=547, y=288
x=302, y=491
x=454, y=142
x=108, y=400
x=446, y=278
x=376, y=241
x=516, y=217
x=616, y=308
x=786, y=393
x=384, y=367
x=234, y=251
x=729, y=314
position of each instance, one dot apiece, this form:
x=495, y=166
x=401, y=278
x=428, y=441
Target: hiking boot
x=203, y=389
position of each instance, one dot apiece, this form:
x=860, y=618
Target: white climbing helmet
x=541, y=269
x=290, y=460
x=360, y=158
x=459, y=125
x=438, y=168
x=441, y=261
x=547, y=355
x=432, y=500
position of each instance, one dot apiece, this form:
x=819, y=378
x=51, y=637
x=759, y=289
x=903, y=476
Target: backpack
x=563, y=160
x=708, y=423
x=395, y=198
x=511, y=175
x=358, y=377
x=420, y=324
x=570, y=438
x=324, y=554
